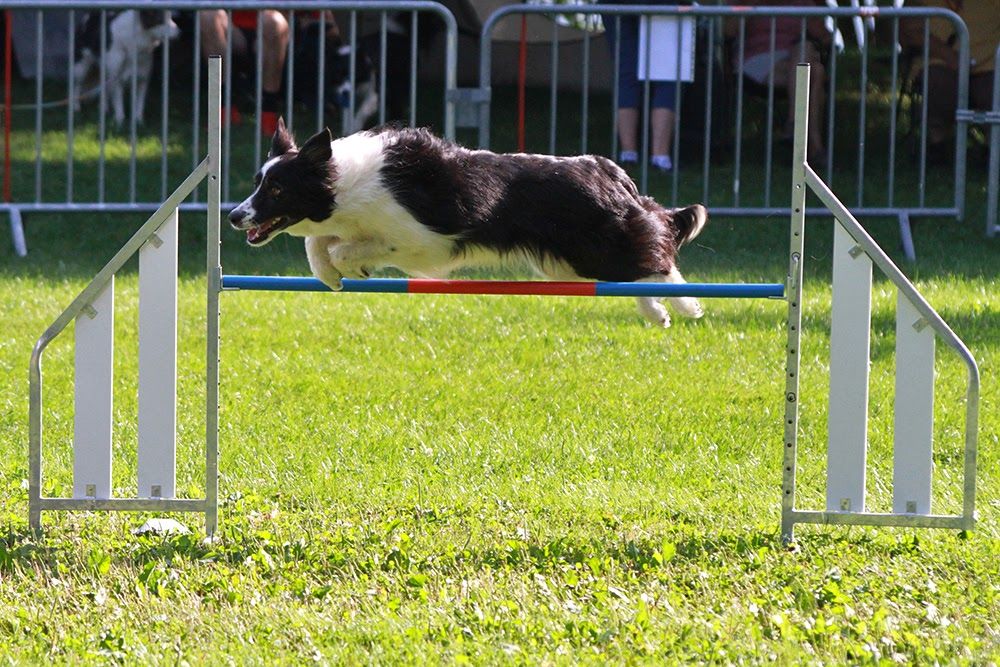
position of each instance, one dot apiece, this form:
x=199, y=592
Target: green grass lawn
x=498, y=479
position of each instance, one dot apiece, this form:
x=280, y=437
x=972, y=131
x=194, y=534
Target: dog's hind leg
x=141, y=88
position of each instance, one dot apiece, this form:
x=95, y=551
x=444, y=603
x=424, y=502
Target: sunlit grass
x=449, y=479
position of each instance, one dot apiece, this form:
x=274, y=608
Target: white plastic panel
x=92, y=396
x=158, y=362
x=850, y=336
x=914, y=411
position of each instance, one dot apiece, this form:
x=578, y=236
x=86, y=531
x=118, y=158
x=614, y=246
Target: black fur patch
x=585, y=211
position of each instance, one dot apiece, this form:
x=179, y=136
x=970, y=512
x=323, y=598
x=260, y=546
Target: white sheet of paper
x=666, y=30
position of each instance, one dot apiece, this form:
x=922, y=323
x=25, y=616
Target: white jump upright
x=157, y=430
x=93, y=388
x=93, y=313
x=918, y=327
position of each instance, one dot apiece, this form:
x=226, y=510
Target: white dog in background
x=132, y=37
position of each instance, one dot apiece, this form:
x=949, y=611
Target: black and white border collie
x=405, y=198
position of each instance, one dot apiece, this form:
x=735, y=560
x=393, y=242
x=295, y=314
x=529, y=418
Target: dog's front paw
x=332, y=278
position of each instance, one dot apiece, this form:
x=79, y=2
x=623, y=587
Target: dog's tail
x=688, y=222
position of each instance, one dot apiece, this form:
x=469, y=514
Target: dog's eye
x=274, y=189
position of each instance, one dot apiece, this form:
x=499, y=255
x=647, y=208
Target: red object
x=522, y=80
x=247, y=20
x=268, y=122
x=8, y=58
x=501, y=287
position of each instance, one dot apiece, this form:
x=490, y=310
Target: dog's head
x=157, y=25
x=339, y=76
x=295, y=185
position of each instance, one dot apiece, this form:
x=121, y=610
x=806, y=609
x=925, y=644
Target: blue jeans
x=662, y=94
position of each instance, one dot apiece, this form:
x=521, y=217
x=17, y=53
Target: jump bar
x=518, y=287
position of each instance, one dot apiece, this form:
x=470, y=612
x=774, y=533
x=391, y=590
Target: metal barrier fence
x=993, y=175
x=173, y=135
x=879, y=187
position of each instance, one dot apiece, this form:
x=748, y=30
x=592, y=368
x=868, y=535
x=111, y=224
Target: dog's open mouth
x=263, y=232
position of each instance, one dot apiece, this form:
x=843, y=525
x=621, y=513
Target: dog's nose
x=235, y=217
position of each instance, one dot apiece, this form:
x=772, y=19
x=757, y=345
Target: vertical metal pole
x=553, y=88
x=290, y=72
x=196, y=101
x=348, y=124
x=164, y=108
x=647, y=21
x=102, y=107
x=214, y=280
x=831, y=110
x=413, y=82
x=678, y=106
x=922, y=180
x=993, y=175
x=793, y=293
x=227, y=129
x=382, y=49
x=585, y=96
x=39, y=40
x=450, y=73
x=769, y=125
x=709, y=82
x=614, y=87
x=738, y=142
x=259, y=86
x=70, y=108
x=862, y=122
x=321, y=73
x=133, y=126
x=893, y=105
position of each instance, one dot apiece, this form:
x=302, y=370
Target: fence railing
x=744, y=184
x=115, y=176
x=875, y=123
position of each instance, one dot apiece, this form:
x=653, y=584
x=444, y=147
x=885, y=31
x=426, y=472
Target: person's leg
x=214, y=24
x=662, y=119
x=275, y=36
x=942, y=91
x=785, y=72
x=627, y=120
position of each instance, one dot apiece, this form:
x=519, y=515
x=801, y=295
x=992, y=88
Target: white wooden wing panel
x=850, y=335
x=158, y=362
x=914, y=411
x=94, y=341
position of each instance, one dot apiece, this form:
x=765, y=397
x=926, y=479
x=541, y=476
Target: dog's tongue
x=255, y=234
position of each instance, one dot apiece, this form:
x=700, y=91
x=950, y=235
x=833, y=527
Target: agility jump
x=918, y=327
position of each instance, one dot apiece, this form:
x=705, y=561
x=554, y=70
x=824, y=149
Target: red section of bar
x=501, y=287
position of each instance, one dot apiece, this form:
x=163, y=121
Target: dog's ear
x=282, y=142
x=317, y=150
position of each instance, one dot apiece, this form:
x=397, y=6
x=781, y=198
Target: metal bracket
x=856, y=251
x=845, y=504
x=90, y=490
x=89, y=311
x=921, y=324
x=469, y=95
x=911, y=506
x=155, y=241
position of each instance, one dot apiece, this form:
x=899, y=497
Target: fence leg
x=17, y=233
x=906, y=237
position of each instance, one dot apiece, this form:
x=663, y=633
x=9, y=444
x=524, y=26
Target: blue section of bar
x=706, y=290
x=400, y=285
